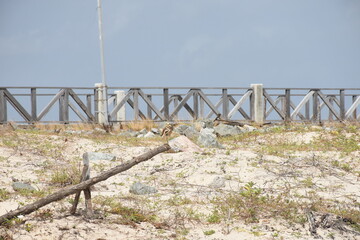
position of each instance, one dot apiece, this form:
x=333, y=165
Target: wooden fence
x=255, y=103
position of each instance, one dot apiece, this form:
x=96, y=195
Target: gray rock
x=191, y=132
x=143, y=131
x=18, y=186
x=207, y=123
x=183, y=144
x=141, y=189
x=207, y=138
x=181, y=129
x=149, y=135
x=140, y=135
x=155, y=131
x=227, y=130
x=93, y=156
x=249, y=128
x=129, y=133
x=99, y=130
x=218, y=182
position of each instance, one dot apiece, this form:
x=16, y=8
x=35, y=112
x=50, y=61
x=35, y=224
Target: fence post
x=225, y=107
x=342, y=104
x=64, y=107
x=3, y=107
x=121, y=114
x=166, y=103
x=149, y=110
x=287, y=105
x=258, y=103
x=100, y=103
x=316, y=115
x=33, y=105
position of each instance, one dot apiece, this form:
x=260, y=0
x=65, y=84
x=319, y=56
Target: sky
x=188, y=43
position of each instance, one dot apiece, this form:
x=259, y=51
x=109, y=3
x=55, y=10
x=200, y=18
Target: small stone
x=226, y=130
x=191, y=132
x=218, y=182
x=155, y=131
x=207, y=138
x=181, y=129
x=96, y=156
x=18, y=186
x=149, y=135
x=129, y=133
x=141, y=189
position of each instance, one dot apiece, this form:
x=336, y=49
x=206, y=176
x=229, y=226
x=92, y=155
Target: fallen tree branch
x=83, y=185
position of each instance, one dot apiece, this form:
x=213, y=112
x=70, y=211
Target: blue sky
x=218, y=43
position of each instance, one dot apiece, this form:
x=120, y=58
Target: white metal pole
x=103, y=75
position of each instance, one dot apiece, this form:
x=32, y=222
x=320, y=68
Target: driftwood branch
x=83, y=185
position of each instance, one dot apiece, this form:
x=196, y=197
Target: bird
x=167, y=130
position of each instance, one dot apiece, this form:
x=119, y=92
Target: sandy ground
x=186, y=194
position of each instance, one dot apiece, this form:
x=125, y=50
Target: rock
x=143, y=131
x=93, y=156
x=249, y=128
x=140, y=135
x=181, y=129
x=141, y=189
x=149, y=135
x=218, y=182
x=18, y=186
x=155, y=131
x=207, y=138
x=191, y=132
x=129, y=133
x=99, y=130
x=227, y=130
x=183, y=144
x=207, y=123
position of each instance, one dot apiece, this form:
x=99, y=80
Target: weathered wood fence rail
x=255, y=103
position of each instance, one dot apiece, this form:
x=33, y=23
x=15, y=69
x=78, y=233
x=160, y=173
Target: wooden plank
x=355, y=112
x=217, y=105
x=315, y=116
x=149, y=111
x=225, y=105
x=182, y=103
x=241, y=110
x=277, y=100
x=342, y=104
x=287, y=105
x=202, y=108
x=187, y=107
x=82, y=105
x=136, y=104
x=78, y=113
x=196, y=105
x=304, y=101
x=140, y=113
x=88, y=105
x=208, y=102
x=64, y=107
x=120, y=104
x=239, y=104
x=33, y=105
x=3, y=107
x=272, y=103
x=329, y=105
x=152, y=106
x=20, y=109
x=166, y=103
x=50, y=104
x=298, y=114
x=352, y=108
